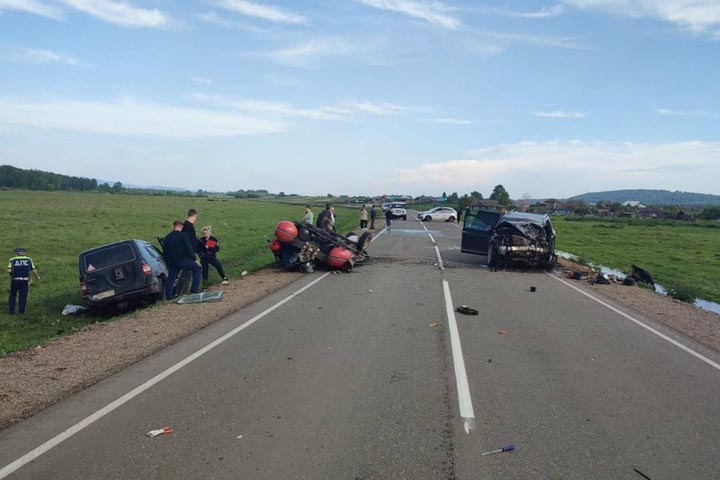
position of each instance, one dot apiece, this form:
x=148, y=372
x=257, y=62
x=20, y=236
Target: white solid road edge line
x=61, y=437
x=647, y=327
x=378, y=235
x=466, y=407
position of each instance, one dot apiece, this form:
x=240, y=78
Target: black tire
x=161, y=286
x=493, y=255
x=451, y=219
x=551, y=262
x=364, y=241
x=404, y=217
x=349, y=234
x=427, y=218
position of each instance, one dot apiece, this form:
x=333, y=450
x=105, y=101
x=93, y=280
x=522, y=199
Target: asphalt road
x=358, y=377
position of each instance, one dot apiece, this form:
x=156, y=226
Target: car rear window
x=108, y=257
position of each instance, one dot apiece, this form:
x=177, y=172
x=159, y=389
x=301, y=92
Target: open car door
x=477, y=230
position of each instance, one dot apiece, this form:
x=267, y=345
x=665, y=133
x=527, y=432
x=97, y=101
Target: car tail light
x=146, y=269
x=83, y=288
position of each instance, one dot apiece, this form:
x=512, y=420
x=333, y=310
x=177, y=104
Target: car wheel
x=364, y=241
x=427, y=218
x=493, y=255
x=349, y=234
x=404, y=217
x=160, y=295
x=451, y=219
x=551, y=262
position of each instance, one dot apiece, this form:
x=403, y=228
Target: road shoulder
x=34, y=379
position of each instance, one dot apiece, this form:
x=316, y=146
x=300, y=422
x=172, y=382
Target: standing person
x=460, y=209
x=321, y=219
x=373, y=215
x=388, y=219
x=308, y=215
x=209, y=246
x=467, y=212
x=19, y=269
x=363, y=218
x=189, y=228
x=180, y=255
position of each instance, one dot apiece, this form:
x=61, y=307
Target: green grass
x=56, y=226
x=678, y=254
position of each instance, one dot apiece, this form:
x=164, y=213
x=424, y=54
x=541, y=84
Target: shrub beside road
x=56, y=226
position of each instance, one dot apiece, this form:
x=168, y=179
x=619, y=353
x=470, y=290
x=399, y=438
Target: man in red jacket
x=209, y=246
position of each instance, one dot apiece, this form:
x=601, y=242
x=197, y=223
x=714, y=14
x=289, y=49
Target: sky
x=364, y=97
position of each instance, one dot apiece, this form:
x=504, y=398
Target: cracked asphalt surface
x=354, y=379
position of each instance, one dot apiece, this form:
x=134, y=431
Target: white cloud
x=698, y=15
x=687, y=113
x=544, y=12
x=339, y=111
x=571, y=43
x=305, y=54
x=266, y=12
x=120, y=13
x=375, y=108
x=434, y=12
x=32, y=6
x=39, y=55
x=201, y=80
x=215, y=19
x=450, y=121
x=561, y=114
x=132, y=118
x=565, y=168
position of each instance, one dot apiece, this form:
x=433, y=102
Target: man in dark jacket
x=189, y=229
x=180, y=255
x=373, y=216
x=325, y=217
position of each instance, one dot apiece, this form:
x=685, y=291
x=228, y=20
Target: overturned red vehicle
x=301, y=245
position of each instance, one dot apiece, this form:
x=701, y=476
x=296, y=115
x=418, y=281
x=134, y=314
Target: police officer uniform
x=19, y=268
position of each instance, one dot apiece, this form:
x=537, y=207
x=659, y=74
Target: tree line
x=18, y=178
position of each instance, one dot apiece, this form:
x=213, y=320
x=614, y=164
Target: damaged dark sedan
x=515, y=237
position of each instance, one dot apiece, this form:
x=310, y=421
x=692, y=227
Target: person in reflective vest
x=19, y=269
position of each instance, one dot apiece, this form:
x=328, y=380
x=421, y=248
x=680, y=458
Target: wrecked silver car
x=526, y=238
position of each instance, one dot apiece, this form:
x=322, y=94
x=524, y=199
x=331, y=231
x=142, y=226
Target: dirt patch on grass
x=698, y=324
x=35, y=379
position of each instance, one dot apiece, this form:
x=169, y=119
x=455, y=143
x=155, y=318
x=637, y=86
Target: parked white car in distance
x=438, y=213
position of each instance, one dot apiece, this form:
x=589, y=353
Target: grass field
x=678, y=254
x=56, y=226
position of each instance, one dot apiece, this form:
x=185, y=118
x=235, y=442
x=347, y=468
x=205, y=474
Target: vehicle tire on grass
x=492, y=255
x=160, y=295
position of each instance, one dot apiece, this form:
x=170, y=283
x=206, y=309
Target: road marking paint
x=638, y=322
x=432, y=239
x=466, y=407
x=440, y=260
x=61, y=437
x=378, y=235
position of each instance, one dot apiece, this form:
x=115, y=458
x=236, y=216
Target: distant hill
x=650, y=197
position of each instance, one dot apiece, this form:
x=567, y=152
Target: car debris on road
x=162, y=431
